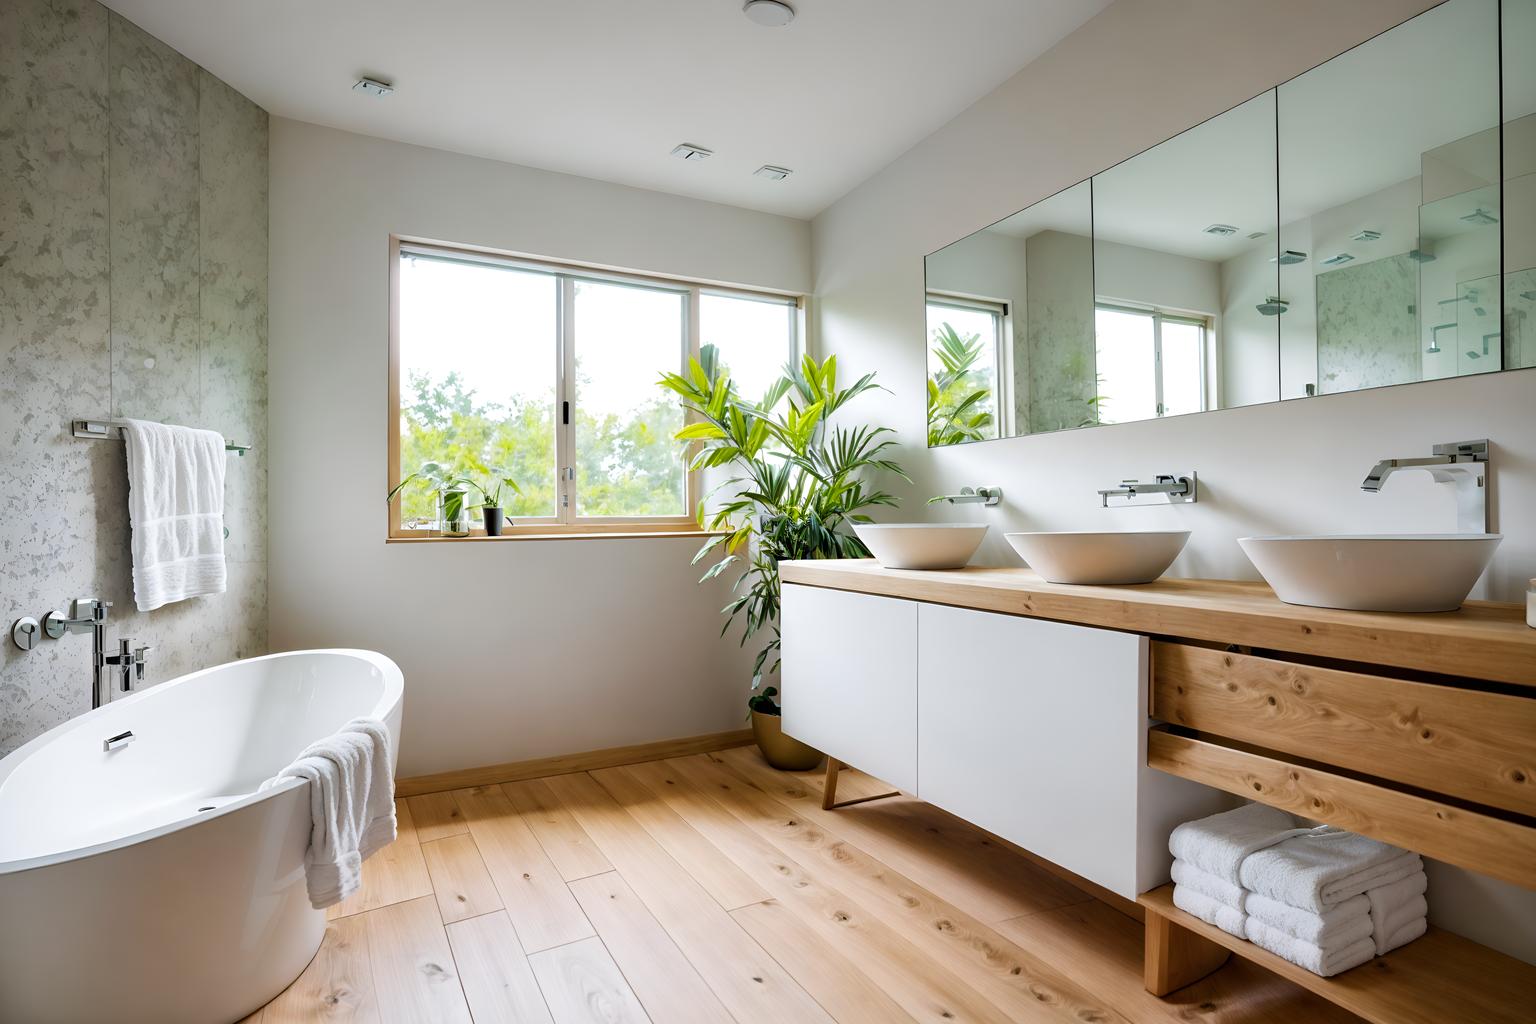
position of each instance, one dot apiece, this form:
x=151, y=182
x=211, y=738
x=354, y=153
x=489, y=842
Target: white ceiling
x=606, y=88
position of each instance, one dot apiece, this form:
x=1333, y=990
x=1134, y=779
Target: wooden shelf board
x=1438, y=978
x=1471, y=837
x=1484, y=640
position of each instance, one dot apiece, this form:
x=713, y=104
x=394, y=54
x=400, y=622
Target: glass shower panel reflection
x=1391, y=208
x=1519, y=328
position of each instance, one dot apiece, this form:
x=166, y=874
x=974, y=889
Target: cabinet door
x=1033, y=730
x=850, y=679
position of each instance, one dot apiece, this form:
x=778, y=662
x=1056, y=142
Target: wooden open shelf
x=1434, y=980
x=1463, y=835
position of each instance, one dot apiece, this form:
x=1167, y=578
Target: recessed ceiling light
x=1366, y=235
x=373, y=87
x=1338, y=258
x=772, y=13
x=773, y=173
x=1288, y=258
x=688, y=151
x=1221, y=229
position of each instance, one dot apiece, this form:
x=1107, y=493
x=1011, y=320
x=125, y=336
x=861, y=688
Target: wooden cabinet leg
x=829, y=789
x=1176, y=956
x=829, y=792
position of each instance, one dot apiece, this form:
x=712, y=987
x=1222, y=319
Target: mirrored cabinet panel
x=1390, y=201
x=1519, y=68
x=1010, y=325
x=1371, y=222
x=1184, y=271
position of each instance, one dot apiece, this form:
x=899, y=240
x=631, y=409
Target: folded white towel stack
x=1351, y=919
x=1219, y=844
x=1323, y=898
x=176, y=510
x=351, y=804
x=1324, y=960
x=1324, y=867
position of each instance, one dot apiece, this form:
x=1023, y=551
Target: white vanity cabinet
x=850, y=679
x=1034, y=730
x=1037, y=732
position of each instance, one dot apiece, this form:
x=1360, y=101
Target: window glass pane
x=1182, y=344
x=627, y=463
x=754, y=338
x=478, y=346
x=1127, y=366
x=962, y=363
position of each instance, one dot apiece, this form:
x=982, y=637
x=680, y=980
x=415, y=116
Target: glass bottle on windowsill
x=453, y=512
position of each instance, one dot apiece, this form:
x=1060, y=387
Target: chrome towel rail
x=107, y=430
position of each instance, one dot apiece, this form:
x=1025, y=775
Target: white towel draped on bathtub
x=351, y=803
x=176, y=510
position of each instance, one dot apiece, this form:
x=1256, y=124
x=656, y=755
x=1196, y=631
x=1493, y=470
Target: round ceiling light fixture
x=770, y=13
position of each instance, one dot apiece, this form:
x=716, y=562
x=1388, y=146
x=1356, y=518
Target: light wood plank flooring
x=712, y=888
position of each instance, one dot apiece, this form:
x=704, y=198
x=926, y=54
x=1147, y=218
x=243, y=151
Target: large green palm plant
x=799, y=479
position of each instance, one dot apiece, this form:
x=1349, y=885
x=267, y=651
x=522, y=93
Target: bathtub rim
x=388, y=704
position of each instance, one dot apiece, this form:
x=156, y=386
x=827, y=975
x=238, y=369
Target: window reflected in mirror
x=1010, y=325
x=965, y=349
x=1184, y=249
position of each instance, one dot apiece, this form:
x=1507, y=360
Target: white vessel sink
x=1099, y=558
x=922, y=545
x=1382, y=573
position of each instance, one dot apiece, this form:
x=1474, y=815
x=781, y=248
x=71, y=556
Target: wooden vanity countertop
x=1483, y=640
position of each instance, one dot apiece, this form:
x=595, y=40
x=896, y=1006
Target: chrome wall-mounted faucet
x=1178, y=488
x=88, y=613
x=1462, y=463
x=988, y=496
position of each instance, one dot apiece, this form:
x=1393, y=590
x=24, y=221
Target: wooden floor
x=713, y=888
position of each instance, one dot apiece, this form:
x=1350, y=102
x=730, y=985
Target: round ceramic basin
x=922, y=545
x=1100, y=558
x=1380, y=573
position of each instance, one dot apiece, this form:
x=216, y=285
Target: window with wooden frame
x=504, y=366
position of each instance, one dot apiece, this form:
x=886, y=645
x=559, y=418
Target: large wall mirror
x=1368, y=223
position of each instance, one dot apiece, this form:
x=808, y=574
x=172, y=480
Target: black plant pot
x=492, y=521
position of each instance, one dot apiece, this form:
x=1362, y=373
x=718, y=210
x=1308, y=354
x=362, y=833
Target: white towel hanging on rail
x=176, y=510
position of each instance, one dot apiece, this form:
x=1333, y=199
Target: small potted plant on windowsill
x=450, y=491
x=491, y=509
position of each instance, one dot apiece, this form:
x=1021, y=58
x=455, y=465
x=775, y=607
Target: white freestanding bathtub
x=152, y=883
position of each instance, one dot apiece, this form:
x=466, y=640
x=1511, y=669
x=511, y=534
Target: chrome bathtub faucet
x=89, y=613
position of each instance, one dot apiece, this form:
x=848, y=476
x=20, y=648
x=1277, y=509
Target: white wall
x=1128, y=273
x=513, y=650
x=1105, y=92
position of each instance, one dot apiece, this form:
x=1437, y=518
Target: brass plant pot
x=782, y=752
